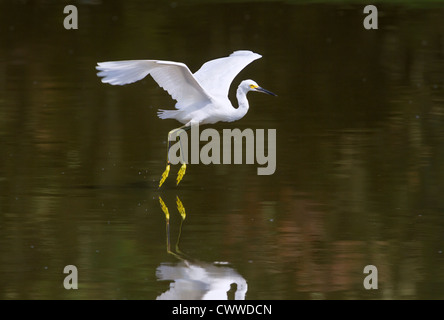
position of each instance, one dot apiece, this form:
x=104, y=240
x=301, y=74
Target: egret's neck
x=242, y=101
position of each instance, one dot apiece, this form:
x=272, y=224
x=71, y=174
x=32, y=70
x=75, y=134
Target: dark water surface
x=360, y=154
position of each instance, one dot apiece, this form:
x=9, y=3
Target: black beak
x=266, y=91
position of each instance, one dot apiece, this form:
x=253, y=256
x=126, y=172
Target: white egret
x=202, y=97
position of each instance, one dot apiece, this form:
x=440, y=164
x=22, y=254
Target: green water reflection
x=360, y=152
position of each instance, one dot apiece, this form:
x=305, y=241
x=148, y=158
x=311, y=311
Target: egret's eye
x=252, y=86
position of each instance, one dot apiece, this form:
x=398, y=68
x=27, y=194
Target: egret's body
x=202, y=97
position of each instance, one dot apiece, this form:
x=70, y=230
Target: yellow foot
x=164, y=208
x=181, y=208
x=164, y=175
x=181, y=173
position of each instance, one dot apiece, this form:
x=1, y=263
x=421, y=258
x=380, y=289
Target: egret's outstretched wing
x=174, y=77
x=216, y=75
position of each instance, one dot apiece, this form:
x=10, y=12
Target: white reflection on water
x=203, y=281
x=193, y=280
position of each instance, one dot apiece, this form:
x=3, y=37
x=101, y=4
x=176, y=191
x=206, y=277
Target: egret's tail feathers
x=167, y=114
x=123, y=72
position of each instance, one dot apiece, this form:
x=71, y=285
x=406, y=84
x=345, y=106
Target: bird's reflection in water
x=193, y=279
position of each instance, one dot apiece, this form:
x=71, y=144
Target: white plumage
x=202, y=97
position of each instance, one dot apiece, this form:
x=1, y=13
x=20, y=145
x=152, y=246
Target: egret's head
x=251, y=85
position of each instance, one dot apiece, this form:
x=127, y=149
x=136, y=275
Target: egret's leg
x=183, y=168
x=167, y=169
x=167, y=223
x=167, y=227
x=178, y=254
x=181, y=210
